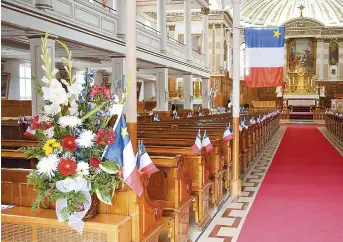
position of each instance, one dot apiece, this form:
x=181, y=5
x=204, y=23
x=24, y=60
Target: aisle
x=301, y=197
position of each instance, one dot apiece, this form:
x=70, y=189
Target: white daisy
x=52, y=109
x=69, y=121
x=49, y=133
x=83, y=168
x=85, y=140
x=48, y=165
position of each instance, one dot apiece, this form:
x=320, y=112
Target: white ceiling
x=277, y=12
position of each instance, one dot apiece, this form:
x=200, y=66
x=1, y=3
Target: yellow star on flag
x=277, y=33
x=124, y=132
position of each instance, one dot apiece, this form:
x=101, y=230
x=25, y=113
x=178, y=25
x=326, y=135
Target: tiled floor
x=226, y=225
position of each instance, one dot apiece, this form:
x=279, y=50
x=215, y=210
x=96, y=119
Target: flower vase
x=91, y=213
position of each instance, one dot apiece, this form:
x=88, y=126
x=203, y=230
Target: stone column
x=162, y=24
x=36, y=68
x=188, y=29
x=118, y=69
x=44, y=4
x=235, y=184
x=188, y=92
x=131, y=70
x=321, y=60
x=162, y=94
x=121, y=24
x=206, y=93
x=205, y=12
x=222, y=38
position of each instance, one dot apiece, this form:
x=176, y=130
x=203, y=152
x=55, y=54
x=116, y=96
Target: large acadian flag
x=264, y=56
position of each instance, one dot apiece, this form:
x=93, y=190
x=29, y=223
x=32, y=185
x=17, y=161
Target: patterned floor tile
x=226, y=225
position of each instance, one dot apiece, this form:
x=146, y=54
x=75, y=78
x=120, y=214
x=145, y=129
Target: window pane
x=28, y=88
x=22, y=87
x=22, y=70
x=28, y=71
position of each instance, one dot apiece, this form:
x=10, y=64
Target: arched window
x=242, y=60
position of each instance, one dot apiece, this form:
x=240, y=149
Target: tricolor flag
x=144, y=163
x=245, y=124
x=264, y=56
x=227, y=133
x=206, y=142
x=29, y=133
x=156, y=118
x=121, y=152
x=197, y=145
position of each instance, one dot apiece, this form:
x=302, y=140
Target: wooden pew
x=172, y=187
x=145, y=214
x=21, y=224
x=11, y=130
x=14, y=159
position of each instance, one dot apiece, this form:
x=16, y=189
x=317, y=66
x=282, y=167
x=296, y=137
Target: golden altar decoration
x=301, y=66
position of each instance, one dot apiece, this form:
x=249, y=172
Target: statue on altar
x=279, y=91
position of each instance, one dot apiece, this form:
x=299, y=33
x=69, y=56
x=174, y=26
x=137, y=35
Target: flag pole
x=235, y=184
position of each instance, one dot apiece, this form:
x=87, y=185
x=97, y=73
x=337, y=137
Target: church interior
x=169, y=121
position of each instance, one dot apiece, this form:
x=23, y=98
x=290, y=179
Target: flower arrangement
x=72, y=132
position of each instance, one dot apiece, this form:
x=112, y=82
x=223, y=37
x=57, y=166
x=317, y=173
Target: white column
x=118, y=69
x=131, y=61
x=162, y=94
x=162, y=24
x=236, y=59
x=36, y=69
x=235, y=183
x=44, y=4
x=188, y=91
x=205, y=93
x=231, y=55
x=321, y=60
x=222, y=46
x=205, y=47
x=121, y=24
x=188, y=29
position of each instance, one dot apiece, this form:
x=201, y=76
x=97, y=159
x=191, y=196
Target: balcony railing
x=103, y=5
x=148, y=27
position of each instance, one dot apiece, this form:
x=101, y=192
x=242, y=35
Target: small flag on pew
x=245, y=124
x=197, y=145
x=144, y=163
x=227, y=133
x=189, y=115
x=206, y=142
x=240, y=127
x=156, y=118
x=121, y=152
x=29, y=133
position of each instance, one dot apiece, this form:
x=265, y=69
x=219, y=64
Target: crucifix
x=301, y=7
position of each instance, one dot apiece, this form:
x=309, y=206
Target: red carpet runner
x=301, y=197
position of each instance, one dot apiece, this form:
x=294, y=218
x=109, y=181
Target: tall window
x=242, y=60
x=25, y=81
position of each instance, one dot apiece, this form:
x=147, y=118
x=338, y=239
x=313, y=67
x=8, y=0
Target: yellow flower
x=49, y=145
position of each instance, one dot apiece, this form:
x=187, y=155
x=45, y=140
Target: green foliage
x=109, y=167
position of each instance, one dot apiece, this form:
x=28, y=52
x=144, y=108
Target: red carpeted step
x=301, y=197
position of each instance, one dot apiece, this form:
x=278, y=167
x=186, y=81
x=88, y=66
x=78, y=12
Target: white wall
x=98, y=78
x=141, y=93
x=145, y=21
x=180, y=28
x=12, y=66
x=149, y=91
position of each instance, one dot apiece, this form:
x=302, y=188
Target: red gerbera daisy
x=95, y=162
x=69, y=143
x=67, y=167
